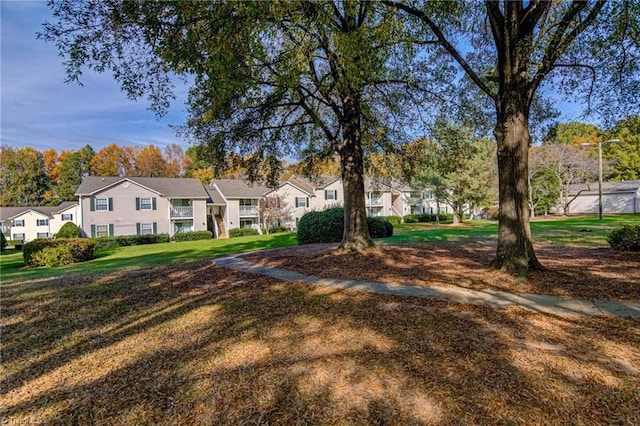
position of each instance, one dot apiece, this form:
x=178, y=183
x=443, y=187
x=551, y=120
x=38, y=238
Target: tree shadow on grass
x=197, y=344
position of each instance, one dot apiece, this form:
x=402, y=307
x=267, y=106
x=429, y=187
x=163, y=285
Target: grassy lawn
x=11, y=262
x=158, y=335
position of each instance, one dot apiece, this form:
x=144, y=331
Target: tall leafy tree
x=23, y=177
x=625, y=155
x=458, y=169
x=149, y=162
x=113, y=160
x=74, y=167
x=270, y=78
x=509, y=48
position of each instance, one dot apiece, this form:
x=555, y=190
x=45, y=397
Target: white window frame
x=17, y=237
x=330, y=194
x=67, y=217
x=42, y=222
x=146, y=228
x=304, y=203
x=100, y=232
x=17, y=222
x=42, y=235
x=146, y=203
x=102, y=204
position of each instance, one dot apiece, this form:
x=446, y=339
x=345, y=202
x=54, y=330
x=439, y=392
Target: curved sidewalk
x=491, y=298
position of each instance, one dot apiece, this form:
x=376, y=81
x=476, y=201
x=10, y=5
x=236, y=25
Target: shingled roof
x=237, y=188
x=607, y=187
x=166, y=187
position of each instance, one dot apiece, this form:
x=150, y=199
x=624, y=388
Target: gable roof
x=215, y=198
x=237, y=188
x=165, y=187
x=590, y=188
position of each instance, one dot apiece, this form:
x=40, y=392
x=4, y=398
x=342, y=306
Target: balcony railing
x=375, y=201
x=181, y=212
x=246, y=211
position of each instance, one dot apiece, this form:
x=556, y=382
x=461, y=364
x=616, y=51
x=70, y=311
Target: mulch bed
x=589, y=273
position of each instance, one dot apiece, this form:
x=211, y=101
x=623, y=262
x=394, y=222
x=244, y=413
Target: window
x=330, y=194
x=246, y=223
x=17, y=222
x=248, y=202
x=184, y=226
x=145, y=203
x=146, y=228
x=102, y=230
x=43, y=235
x=302, y=201
x=102, y=204
x=67, y=217
x=42, y=222
x=18, y=237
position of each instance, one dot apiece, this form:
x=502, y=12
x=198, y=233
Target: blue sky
x=38, y=109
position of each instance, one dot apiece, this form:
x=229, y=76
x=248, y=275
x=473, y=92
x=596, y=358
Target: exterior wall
x=124, y=217
x=290, y=192
x=30, y=228
x=199, y=215
x=56, y=222
x=611, y=203
x=232, y=214
x=319, y=203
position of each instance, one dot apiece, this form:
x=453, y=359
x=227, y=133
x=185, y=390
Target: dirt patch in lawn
x=590, y=273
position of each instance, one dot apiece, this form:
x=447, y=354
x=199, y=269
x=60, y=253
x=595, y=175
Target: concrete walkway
x=496, y=299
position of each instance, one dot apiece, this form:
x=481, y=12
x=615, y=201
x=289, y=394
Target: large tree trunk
x=515, y=246
x=356, y=236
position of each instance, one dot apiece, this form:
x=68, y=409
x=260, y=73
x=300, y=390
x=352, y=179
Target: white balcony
x=375, y=201
x=248, y=211
x=177, y=212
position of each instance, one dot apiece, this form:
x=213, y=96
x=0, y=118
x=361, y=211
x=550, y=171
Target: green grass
x=574, y=232
x=12, y=265
x=571, y=232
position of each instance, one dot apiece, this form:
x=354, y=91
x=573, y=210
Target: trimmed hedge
x=241, y=232
x=129, y=240
x=276, y=229
x=3, y=242
x=321, y=227
x=44, y=252
x=328, y=227
x=428, y=217
x=69, y=230
x=394, y=220
x=626, y=237
x=192, y=236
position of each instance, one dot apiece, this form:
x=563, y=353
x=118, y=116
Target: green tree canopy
x=270, y=78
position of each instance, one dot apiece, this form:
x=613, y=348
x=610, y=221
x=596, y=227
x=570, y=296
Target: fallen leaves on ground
x=197, y=344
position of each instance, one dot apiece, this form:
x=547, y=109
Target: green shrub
x=43, y=252
x=69, y=230
x=394, y=220
x=626, y=237
x=411, y=218
x=321, y=227
x=3, y=242
x=192, y=236
x=129, y=240
x=379, y=228
x=276, y=229
x=241, y=232
x=328, y=227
